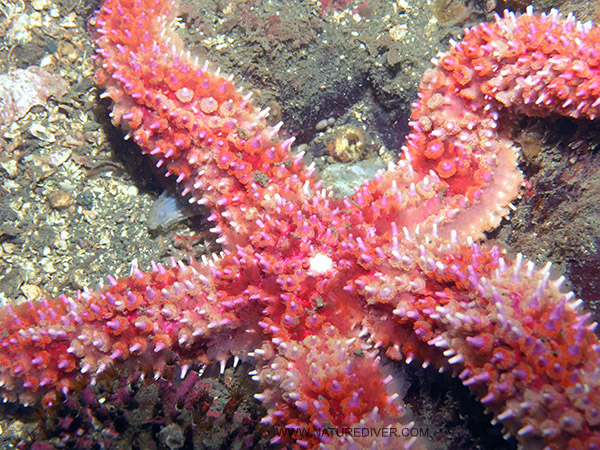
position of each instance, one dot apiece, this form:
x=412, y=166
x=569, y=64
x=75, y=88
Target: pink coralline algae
x=312, y=288
x=22, y=89
x=335, y=4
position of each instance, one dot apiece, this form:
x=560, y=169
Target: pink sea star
x=313, y=287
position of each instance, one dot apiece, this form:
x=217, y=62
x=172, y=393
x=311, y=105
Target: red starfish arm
x=528, y=349
x=525, y=348
x=138, y=323
x=201, y=128
x=330, y=389
x=459, y=164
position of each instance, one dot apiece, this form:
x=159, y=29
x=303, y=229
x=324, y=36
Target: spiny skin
x=313, y=287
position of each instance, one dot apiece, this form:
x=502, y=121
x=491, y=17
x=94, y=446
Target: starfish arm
x=137, y=323
x=320, y=390
x=525, y=348
x=459, y=165
x=201, y=129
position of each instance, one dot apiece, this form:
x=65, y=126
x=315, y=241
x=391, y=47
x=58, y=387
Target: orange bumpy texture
x=313, y=288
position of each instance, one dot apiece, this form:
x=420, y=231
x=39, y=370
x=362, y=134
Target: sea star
x=314, y=287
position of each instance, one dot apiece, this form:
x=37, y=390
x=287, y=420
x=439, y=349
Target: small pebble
x=60, y=200
x=321, y=125
x=42, y=133
x=38, y=5
x=31, y=292
x=8, y=248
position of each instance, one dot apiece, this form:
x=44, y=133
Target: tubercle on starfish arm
x=311, y=287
